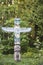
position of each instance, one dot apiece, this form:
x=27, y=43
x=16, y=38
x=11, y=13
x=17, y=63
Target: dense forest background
x=31, y=14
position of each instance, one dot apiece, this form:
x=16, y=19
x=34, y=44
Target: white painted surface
x=8, y=29
x=25, y=29
x=16, y=29
x=17, y=48
x=17, y=56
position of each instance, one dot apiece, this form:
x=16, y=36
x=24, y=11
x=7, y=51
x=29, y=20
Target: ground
x=9, y=60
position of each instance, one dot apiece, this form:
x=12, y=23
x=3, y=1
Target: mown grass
x=9, y=60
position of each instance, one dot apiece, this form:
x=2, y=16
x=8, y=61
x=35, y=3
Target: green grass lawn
x=9, y=60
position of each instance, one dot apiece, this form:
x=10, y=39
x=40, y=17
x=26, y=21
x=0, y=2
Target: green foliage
x=37, y=43
x=8, y=60
x=24, y=42
x=31, y=14
x=28, y=54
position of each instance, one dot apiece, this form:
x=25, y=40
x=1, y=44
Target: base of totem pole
x=17, y=56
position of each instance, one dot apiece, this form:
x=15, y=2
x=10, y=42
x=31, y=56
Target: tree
x=31, y=14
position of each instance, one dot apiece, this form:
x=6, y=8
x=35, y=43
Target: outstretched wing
x=8, y=29
x=25, y=29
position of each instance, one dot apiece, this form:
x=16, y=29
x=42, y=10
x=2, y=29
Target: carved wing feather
x=8, y=29
x=25, y=29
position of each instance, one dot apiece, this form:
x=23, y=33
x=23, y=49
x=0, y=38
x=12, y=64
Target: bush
x=31, y=55
x=28, y=54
